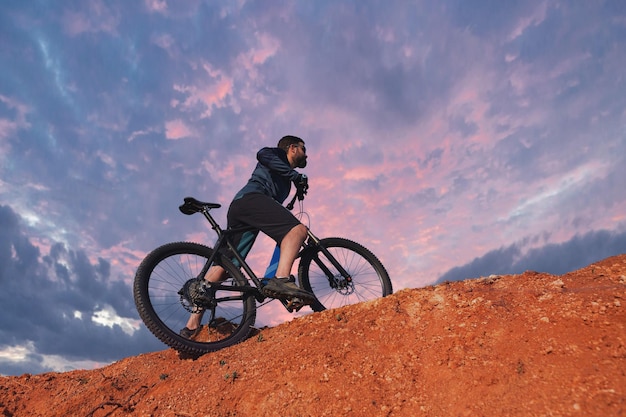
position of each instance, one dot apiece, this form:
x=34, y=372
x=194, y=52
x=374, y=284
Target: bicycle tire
x=161, y=275
x=370, y=279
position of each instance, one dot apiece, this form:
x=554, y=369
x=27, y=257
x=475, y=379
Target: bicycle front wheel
x=367, y=277
x=161, y=290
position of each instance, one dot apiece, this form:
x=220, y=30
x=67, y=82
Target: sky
x=455, y=139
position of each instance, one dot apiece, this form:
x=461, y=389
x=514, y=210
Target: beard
x=301, y=162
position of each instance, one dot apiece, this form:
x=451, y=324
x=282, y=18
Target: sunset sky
x=453, y=138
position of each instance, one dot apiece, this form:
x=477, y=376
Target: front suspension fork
x=331, y=277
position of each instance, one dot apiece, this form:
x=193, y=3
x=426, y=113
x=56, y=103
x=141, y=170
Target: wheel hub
x=342, y=285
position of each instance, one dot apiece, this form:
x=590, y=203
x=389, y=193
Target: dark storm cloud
x=41, y=294
x=556, y=259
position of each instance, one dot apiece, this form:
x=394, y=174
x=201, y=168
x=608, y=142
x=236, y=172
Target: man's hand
x=302, y=185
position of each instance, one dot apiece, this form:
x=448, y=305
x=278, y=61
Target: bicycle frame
x=170, y=283
x=223, y=239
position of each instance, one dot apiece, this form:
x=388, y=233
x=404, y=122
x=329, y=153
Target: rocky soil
x=517, y=345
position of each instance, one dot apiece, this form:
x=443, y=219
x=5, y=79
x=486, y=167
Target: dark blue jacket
x=272, y=176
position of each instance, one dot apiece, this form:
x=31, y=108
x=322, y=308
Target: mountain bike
x=169, y=284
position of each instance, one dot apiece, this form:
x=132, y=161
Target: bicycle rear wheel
x=368, y=277
x=161, y=290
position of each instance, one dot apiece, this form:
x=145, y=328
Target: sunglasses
x=300, y=146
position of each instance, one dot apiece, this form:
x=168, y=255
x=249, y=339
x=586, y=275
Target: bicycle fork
x=334, y=280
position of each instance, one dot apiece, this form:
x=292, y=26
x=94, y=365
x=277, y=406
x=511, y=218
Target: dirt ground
x=517, y=345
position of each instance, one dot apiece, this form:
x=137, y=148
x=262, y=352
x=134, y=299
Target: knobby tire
x=163, y=273
x=370, y=279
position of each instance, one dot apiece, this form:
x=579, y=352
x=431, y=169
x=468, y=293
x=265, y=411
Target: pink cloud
x=158, y=6
x=267, y=47
x=166, y=42
x=231, y=173
x=98, y=18
x=532, y=20
x=139, y=133
x=211, y=96
x=219, y=92
x=8, y=127
x=176, y=129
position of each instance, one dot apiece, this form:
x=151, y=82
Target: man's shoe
x=188, y=333
x=286, y=288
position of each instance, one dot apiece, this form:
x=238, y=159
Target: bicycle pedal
x=293, y=304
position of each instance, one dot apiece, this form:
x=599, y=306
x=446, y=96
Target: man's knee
x=298, y=232
x=302, y=230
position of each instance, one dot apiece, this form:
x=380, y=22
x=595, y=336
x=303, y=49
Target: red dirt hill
x=518, y=345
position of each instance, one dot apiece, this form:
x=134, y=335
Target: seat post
x=212, y=221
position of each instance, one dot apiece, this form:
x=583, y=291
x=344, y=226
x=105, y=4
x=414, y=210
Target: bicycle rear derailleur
x=195, y=295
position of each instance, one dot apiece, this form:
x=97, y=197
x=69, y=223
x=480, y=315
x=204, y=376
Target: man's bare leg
x=282, y=287
x=289, y=248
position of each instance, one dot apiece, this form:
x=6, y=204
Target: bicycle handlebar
x=300, y=193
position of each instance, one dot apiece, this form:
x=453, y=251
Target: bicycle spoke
x=166, y=292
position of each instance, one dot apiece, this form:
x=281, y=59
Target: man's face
x=300, y=156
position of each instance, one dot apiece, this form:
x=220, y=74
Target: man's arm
x=275, y=159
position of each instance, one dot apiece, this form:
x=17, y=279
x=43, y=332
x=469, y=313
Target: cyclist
x=259, y=204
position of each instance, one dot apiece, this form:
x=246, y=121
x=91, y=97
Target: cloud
x=176, y=129
x=58, y=303
x=436, y=135
x=207, y=97
x=159, y=6
x=16, y=117
x=553, y=258
x=99, y=17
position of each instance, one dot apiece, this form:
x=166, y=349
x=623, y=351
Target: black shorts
x=263, y=213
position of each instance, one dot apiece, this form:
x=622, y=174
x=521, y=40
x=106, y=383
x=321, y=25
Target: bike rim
x=168, y=277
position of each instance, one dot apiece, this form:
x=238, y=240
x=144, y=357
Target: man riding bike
x=259, y=204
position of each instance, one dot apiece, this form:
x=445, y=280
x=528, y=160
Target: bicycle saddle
x=191, y=206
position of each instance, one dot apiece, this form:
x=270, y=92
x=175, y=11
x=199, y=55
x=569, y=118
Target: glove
x=302, y=181
x=302, y=184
